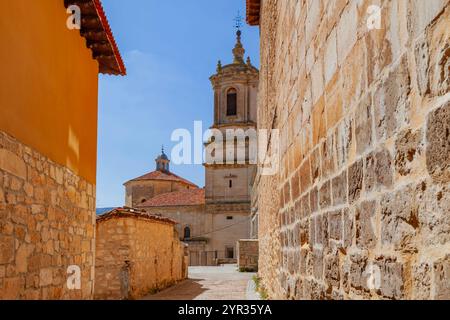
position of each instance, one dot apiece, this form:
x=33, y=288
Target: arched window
x=187, y=233
x=232, y=102
x=143, y=200
x=230, y=184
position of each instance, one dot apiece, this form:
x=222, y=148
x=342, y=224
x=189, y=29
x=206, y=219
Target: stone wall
x=247, y=255
x=360, y=207
x=136, y=255
x=47, y=223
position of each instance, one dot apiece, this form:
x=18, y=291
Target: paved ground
x=211, y=283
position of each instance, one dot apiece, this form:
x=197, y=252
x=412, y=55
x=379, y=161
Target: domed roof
x=163, y=156
x=164, y=176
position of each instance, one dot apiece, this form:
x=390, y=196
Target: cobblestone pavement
x=210, y=283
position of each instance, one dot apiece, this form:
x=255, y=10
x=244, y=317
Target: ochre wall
x=360, y=206
x=135, y=257
x=48, y=90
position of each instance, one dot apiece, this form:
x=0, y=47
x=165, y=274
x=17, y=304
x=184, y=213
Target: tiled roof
x=99, y=37
x=126, y=212
x=253, y=12
x=166, y=176
x=190, y=197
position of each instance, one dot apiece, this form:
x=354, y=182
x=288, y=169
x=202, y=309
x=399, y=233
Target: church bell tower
x=235, y=88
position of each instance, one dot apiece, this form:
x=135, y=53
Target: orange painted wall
x=48, y=84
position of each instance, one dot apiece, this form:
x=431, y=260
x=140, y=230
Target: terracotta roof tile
x=190, y=197
x=126, y=212
x=166, y=176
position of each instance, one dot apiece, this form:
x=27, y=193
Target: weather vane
x=238, y=21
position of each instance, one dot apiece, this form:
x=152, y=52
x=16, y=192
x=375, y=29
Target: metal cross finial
x=162, y=149
x=238, y=21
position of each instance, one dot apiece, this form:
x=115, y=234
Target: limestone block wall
x=47, y=223
x=136, y=255
x=360, y=207
x=247, y=255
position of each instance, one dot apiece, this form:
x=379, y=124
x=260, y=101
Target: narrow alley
x=211, y=283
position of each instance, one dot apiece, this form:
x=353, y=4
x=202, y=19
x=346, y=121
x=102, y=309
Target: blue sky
x=170, y=49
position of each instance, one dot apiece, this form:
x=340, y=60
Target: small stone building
x=136, y=254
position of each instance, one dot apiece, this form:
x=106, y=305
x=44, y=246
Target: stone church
x=211, y=219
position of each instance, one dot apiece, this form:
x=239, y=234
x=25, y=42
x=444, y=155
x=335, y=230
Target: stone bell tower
x=235, y=96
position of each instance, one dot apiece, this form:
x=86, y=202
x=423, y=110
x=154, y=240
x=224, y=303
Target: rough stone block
x=339, y=186
x=392, y=282
x=306, y=210
x=379, y=171
x=357, y=277
x=348, y=228
x=305, y=176
x=399, y=219
x=325, y=195
x=421, y=281
x=295, y=187
x=365, y=225
x=332, y=274
x=45, y=277
x=355, y=181
x=346, y=39
x=434, y=206
x=363, y=125
x=438, y=144
x=328, y=156
x=314, y=200
x=12, y=164
x=391, y=101
x=422, y=57
x=315, y=165
x=335, y=225
x=408, y=148
x=318, y=264
x=441, y=278
x=344, y=140
x=6, y=249
x=330, y=57
x=322, y=230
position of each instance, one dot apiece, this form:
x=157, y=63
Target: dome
x=163, y=156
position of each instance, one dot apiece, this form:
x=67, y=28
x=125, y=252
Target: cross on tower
x=238, y=21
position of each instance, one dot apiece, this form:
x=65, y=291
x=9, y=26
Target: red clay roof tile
x=190, y=197
x=126, y=212
x=166, y=176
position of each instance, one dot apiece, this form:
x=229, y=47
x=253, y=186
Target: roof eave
x=99, y=37
x=253, y=12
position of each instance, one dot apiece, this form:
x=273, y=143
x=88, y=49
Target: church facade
x=211, y=219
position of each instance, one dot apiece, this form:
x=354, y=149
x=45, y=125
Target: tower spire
x=238, y=51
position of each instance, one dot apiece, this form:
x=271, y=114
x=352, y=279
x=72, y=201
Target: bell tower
x=162, y=162
x=235, y=88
